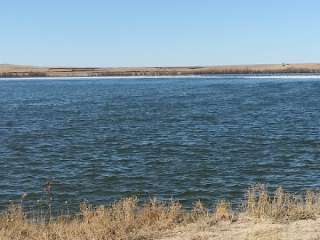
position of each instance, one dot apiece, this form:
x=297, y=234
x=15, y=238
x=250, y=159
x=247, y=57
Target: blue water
x=205, y=138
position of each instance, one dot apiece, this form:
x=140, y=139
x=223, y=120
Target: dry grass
x=126, y=219
x=282, y=205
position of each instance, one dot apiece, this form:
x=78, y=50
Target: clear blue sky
x=159, y=33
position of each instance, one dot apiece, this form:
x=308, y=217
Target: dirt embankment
x=31, y=71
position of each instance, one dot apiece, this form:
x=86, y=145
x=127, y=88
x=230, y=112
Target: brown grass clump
x=199, y=211
x=127, y=219
x=223, y=211
x=282, y=205
x=124, y=219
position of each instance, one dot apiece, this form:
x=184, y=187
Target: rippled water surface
x=187, y=138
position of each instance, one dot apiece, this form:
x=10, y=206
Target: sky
x=118, y=33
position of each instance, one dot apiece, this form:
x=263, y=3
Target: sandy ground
x=7, y=70
x=248, y=230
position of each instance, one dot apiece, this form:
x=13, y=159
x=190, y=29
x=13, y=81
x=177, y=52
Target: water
x=190, y=138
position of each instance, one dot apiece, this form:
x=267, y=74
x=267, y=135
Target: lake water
x=188, y=138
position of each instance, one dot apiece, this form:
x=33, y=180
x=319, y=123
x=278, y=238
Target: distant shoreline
x=20, y=71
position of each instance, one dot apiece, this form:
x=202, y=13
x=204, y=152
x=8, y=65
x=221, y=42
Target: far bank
x=8, y=70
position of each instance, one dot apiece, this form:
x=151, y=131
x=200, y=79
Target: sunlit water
x=189, y=138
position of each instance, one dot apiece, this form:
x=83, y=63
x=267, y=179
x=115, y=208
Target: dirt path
x=249, y=230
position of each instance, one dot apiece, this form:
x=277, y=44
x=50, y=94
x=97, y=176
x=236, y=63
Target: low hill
x=7, y=70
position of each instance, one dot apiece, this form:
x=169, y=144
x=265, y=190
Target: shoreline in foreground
x=14, y=71
x=280, y=215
